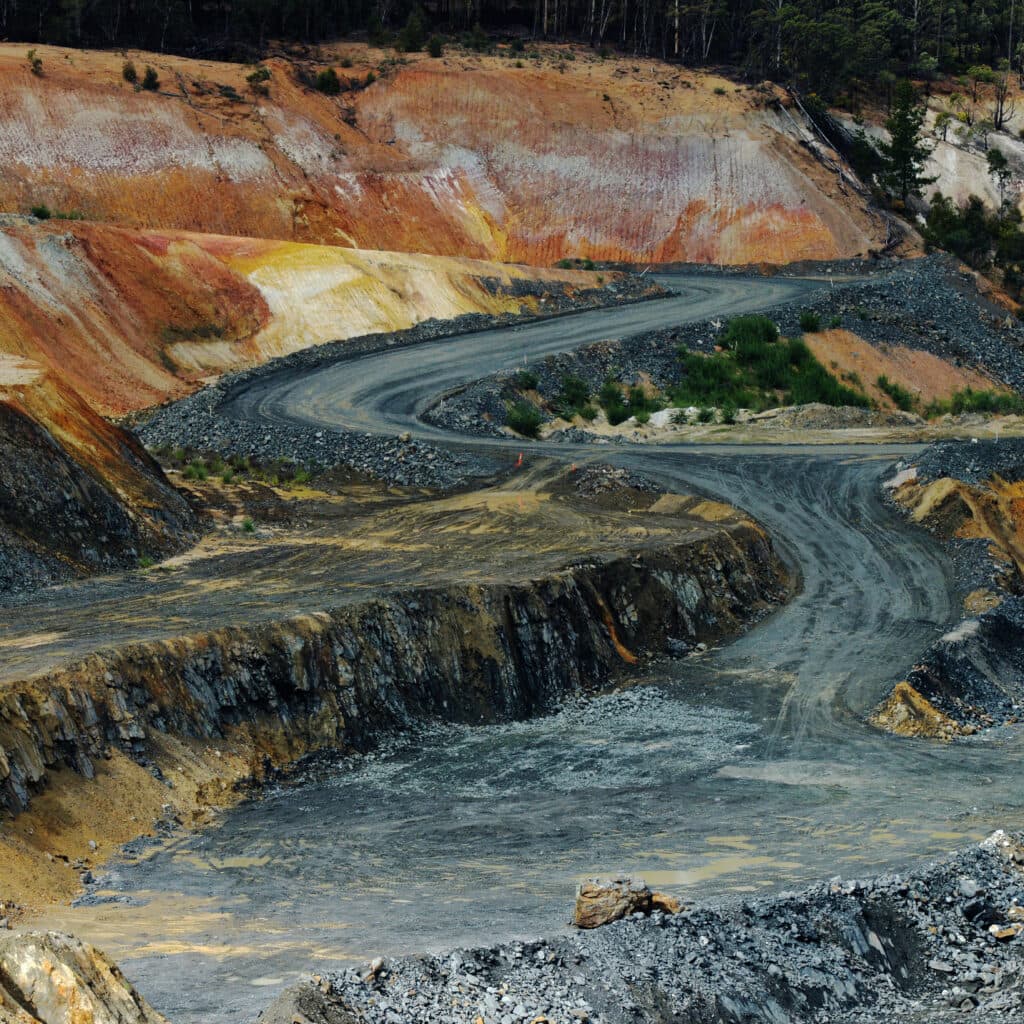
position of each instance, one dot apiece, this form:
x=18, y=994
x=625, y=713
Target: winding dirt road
x=747, y=768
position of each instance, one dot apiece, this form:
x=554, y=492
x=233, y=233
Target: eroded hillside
x=130, y=318
x=485, y=156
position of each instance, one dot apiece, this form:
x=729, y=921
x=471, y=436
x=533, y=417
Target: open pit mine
x=525, y=535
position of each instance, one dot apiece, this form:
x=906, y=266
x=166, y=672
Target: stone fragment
x=601, y=901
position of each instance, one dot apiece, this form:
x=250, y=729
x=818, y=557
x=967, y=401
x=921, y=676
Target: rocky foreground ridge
x=931, y=945
x=938, y=943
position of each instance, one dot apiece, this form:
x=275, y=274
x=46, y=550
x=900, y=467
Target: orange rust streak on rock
x=620, y=648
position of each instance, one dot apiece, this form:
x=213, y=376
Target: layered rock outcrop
x=343, y=678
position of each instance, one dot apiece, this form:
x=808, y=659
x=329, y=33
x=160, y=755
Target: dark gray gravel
x=929, y=946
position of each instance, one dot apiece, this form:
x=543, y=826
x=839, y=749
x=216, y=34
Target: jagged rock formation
x=77, y=494
x=342, y=678
x=48, y=978
x=469, y=156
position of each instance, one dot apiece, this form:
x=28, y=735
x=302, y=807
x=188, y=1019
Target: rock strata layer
x=344, y=678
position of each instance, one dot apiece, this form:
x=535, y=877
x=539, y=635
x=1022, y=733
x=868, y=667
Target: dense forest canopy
x=825, y=45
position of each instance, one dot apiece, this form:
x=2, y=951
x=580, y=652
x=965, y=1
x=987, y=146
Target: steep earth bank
x=132, y=318
x=972, y=678
x=469, y=155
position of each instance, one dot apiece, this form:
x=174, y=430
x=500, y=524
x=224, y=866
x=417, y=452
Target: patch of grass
x=759, y=370
x=248, y=525
x=982, y=401
x=525, y=419
x=574, y=396
x=150, y=79
x=526, y=380
x=196, y=470
x=810, y=322
x=146, y=562
x=903, y=398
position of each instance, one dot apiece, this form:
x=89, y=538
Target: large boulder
x=601, y=901
x=49, y=978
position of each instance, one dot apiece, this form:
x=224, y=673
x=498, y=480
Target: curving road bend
x=744, y=769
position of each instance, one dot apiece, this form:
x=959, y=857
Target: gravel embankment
x=197, y=422
x=925, y=304
x=931, y=945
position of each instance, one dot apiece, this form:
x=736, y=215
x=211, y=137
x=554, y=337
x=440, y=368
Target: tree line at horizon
x=827, y=46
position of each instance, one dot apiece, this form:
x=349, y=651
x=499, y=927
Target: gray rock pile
x=931, y=945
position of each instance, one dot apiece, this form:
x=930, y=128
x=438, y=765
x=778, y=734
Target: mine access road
x=744, y=769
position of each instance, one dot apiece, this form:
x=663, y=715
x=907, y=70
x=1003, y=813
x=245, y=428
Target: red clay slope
x=466, y=155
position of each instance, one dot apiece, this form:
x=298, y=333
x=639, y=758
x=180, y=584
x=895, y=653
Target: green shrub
x=575, y=392
x=150, y=79
x=41, y=211
x=587, y=412
x=719, y=91
x=128, y=72
x=729, y=412
x=810, y=322
x=345, y=62
x=903, y=398
x=705, y=415
x=758, y=371
x=525, y=419
x=835, y=322
x=435, y=46
x=328, y=83
x=526, y=380
x=196, y=470
x=227, y=476
x=970, y=400
x=248, y=525
x=146, y=562
x=35, y=63
x=371, y=77
x=611, y=399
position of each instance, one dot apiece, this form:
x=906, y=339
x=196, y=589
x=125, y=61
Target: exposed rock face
x=48, y=978
x=601, y=901
x=342, y=678
x=466, y=156
x=972, y=677
x=77, y=494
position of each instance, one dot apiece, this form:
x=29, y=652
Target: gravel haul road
x=744, y=769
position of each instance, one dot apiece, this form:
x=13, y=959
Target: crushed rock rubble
x=935, y=944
